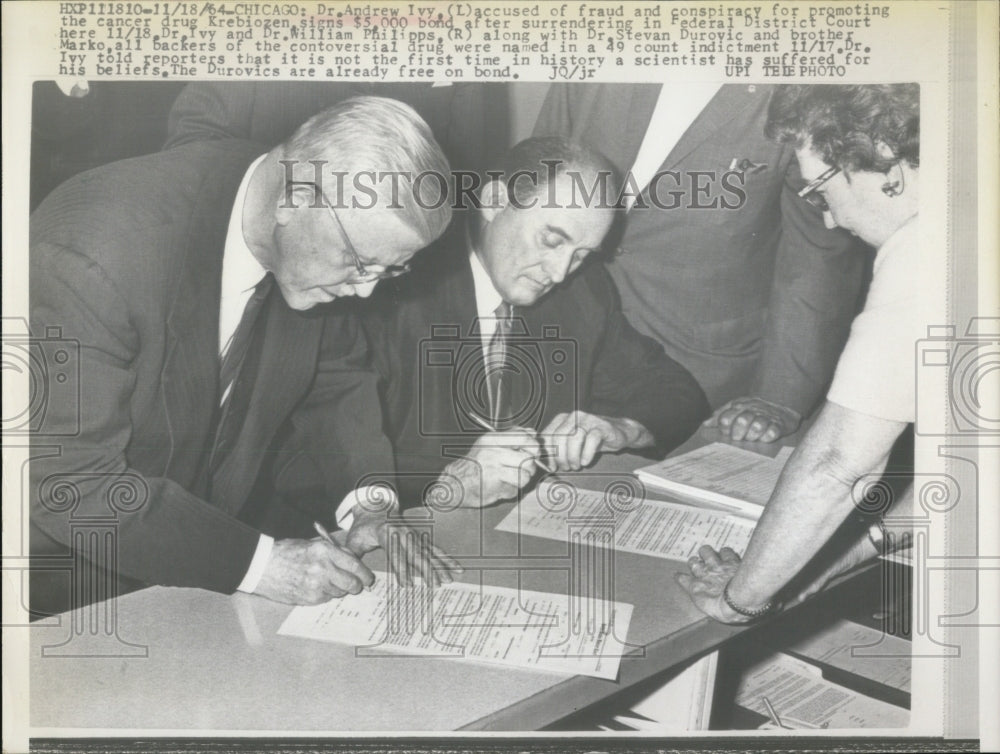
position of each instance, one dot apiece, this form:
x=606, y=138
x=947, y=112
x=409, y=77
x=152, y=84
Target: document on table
x=860, y=650
x=557, y=510
x=478, y=623
x=720, y=474
x=802, y=698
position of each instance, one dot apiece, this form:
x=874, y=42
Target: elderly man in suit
x=210, y=384
x=755, y=299
x=513, y=326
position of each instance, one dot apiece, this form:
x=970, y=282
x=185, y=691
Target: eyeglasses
x=365, y=274
x=810, y=193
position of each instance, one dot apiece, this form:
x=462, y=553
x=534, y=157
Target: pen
x=771, y=713
x=321, y=530
x=487, y=426
x=325, y=535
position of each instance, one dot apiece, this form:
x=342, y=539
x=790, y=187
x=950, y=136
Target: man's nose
x=557, y=267
x=828, y=220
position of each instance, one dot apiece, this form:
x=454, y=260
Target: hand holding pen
x=491, y=428
x=496, y=467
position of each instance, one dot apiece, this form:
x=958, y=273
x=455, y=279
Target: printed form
x=557, y=510
x=802, y=698
x=476, y=623
x=720, y=474
x=860, y=650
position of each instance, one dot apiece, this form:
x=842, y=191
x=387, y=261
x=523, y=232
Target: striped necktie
x=497, y=378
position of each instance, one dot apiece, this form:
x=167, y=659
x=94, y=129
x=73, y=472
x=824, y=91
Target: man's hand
x=754, y=419
x=407, y=554
x=312, y=571
x=497, y=466
x=709, y=572
x=578, y=437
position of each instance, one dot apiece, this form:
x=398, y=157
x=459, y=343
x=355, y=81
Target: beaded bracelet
x=759, y=612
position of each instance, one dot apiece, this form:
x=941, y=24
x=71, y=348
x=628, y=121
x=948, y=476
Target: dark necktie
x=497, y=377
x=234, y=356
x=238, y=372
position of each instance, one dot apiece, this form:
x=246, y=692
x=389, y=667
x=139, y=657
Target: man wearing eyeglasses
x=219, y=415
x=506, y=349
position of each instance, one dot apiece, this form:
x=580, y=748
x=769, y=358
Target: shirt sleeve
x=876, y=373
x=261, y=557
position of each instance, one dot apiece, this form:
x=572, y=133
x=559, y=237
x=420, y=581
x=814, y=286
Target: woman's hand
x=708, y=574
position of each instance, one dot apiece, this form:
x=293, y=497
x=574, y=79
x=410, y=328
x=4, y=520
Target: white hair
x=385, y=136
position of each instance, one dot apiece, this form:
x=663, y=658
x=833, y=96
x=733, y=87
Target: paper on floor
x=860, y=650
x=802, y=698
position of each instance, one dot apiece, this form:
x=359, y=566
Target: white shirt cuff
x=260, y=560
x=374, y=497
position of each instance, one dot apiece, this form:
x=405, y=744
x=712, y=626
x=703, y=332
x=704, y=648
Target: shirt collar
x=240, y=269
x=487, y=297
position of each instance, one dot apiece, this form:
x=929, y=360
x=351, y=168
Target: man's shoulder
x=591, y=285
x=162, y=173
x=437, y=269
x=582, y=304
x=131, y=218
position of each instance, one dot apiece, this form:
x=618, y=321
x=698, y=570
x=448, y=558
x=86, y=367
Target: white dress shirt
x=241, y=272
x=676, y=109
x=876, y=373
x=487, y=301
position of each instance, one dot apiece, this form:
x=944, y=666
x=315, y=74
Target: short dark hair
x=542, y=158
x=846, y=125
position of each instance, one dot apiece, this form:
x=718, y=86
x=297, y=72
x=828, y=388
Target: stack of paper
x=556, y=510
x=477, y=623
x=860, y=650
x=720, y=474
x=802, y=698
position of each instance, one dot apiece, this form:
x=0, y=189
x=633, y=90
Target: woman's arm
x=812, y=499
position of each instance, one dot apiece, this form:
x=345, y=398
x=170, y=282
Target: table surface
x=192, y=660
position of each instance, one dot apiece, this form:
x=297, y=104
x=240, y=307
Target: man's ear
x=493, y=199
x=294, y=198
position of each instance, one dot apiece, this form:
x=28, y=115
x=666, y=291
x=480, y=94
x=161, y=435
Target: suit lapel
x=640, y=108
x=448, y=356
x=597, y=125
x=287, y=367
x=728, y=102
x=190, y=376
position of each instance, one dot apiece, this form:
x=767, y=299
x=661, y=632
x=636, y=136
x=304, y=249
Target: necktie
x=496, y=365
x=235, y=353
x=238, y=372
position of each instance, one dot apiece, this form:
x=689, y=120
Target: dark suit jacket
x=756, y=300
x=469, y=120
x=572, y=350
x=126, y=262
